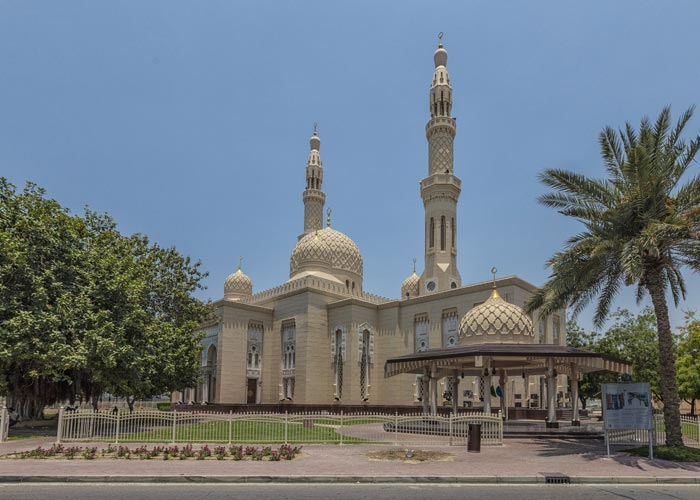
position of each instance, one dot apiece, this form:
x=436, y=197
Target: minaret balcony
x=441, y=121
x=441, y=179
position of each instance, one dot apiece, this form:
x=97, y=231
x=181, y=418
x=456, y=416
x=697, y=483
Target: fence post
x=116, y=431
x=230, y=425
x=451, y=428
x=396, y=427
x=341, y=427
x=3, y=423
x=174, y=424
x=286, y=425
x=59, y=430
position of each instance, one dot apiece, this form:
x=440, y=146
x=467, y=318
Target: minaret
x=314, y=198
x=440, y=190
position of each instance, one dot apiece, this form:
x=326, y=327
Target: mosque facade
x=319, y=338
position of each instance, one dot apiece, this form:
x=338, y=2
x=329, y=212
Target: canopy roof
x=529, y=359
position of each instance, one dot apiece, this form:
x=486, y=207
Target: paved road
x=350, y=492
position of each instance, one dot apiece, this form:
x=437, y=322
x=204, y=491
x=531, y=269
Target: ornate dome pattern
x=237, y=285
x=327, y=248
x=410, y=286
x=496, y=321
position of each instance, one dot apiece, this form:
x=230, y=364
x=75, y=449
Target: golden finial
x=494, y=293
x=328, y=216
x=414, y=265
x=240, y=262
x=440, y=38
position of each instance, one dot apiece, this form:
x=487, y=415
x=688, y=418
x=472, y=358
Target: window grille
x=421, y=332
x=542, y=331
x=364, y=365
x=450, y=323
x=338, y=359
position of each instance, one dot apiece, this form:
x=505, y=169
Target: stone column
x=551, y=395
x=487, y=393
x=502, y=384
x=425, y=382
x=455, y=391
x=433, y=390
x=574, y=396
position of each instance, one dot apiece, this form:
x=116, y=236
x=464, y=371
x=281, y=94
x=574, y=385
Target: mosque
x=321, y=339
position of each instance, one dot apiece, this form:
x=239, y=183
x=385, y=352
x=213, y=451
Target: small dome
x=410, y=286
x=237, y=286
x=496, y=321
x=315, y=142
x=440, y=57
x=326, y=250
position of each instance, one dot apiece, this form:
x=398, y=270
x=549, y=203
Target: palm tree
x=642, y=227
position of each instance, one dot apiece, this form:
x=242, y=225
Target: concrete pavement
x=518, y=461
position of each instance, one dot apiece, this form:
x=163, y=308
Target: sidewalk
x=518, y=461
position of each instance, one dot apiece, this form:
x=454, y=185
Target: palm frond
x=612, y=153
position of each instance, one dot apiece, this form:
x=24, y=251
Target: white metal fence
x=258, y=428
x=4, y=424
x=690, y=426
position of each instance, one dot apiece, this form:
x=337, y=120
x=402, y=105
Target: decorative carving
x=441, y=159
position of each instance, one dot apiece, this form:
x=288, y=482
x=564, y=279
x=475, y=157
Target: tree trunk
x=130, y=400
x=667, y=359
x=583, y=402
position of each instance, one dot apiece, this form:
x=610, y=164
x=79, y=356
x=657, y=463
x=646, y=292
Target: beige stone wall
x=317, y=314
x=233, y=341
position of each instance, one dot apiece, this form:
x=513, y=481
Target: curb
x=183, y=479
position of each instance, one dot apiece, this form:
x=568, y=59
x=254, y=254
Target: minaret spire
x=440, y=190
x=314, y=197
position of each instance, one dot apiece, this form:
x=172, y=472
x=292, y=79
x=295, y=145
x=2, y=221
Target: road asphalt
x=90, y=491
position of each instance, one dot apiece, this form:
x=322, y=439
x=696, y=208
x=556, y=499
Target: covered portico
x=489, y=360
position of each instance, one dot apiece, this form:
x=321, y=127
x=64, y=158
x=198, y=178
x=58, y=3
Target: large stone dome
x=327, y=253
x=496, y=321
x=237, y=286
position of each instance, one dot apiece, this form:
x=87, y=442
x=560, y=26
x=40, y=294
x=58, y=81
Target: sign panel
x=627, y=406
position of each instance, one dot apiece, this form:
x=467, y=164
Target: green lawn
x=242, y=432
x=687, y=429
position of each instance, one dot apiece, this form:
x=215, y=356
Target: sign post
x=627, y=406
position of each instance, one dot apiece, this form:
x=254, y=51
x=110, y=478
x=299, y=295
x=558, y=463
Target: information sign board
x=627, y=406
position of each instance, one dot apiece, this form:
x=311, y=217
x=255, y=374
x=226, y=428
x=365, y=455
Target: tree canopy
x=688, y=360
x=641, y=227
x=85, y=309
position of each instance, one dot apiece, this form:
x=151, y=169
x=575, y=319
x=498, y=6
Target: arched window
x=338, y=360
x=443, y=234
x=364, y=365
x=211, y=374
x=288, y=359
x=431, y=235
x=452, y=229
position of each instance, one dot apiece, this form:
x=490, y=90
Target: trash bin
x=474, y=438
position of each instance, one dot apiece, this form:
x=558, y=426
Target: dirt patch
x=418, y=456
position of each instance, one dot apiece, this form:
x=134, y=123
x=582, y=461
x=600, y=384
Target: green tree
x=632, y=338
x=589, y=385
x=641, y=227
x=85, y=309
x=688, y=361
x=40, y=250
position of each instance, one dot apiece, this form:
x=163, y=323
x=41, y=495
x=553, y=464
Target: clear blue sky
x=189, y=121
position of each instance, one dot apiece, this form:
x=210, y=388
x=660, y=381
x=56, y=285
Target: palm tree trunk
x=667, y=360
